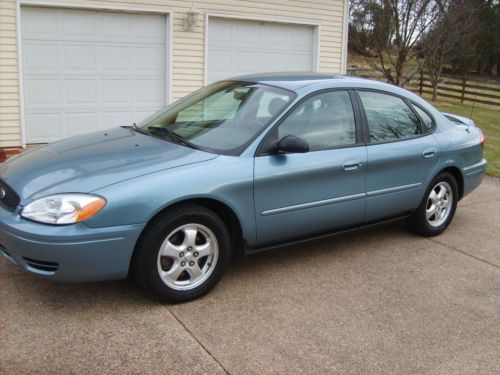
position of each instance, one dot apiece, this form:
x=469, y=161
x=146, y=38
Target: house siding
x=10, y=124
x=188, y=47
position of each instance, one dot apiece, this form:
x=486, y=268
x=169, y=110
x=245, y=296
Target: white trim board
x=345, y=38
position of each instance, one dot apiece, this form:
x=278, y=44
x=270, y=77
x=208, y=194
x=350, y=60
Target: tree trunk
x=434, y=92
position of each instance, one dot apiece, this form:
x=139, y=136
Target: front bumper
x=70, y=253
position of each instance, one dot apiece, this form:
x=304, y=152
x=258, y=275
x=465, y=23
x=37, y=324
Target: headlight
x=63, y=208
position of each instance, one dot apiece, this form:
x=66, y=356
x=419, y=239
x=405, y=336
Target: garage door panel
x=115, y=26
x=116, y=91
x=149, y=60
x=275, y=34
x=43, y=126
x=298, y=40
x=80, y=91
x=117, y=118
x=245, y=61
x=240, y=47
x=299, y=61
x=149, y=92
x=79, y=24
x=40, y=57
x=274, y=61
x=41, y=92
x=81, y=122
x=79, y=57
x=115, y=58
x=144, y=114
x=148, y=28
x=87, y=70
x=219, y=60
x=246, y=32
x=38, y=23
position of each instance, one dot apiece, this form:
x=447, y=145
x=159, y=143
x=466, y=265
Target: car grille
x=8, y=197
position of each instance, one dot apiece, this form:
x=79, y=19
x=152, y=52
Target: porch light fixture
x=191, y=19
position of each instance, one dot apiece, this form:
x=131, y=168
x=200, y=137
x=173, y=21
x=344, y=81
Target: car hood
x=91, y=161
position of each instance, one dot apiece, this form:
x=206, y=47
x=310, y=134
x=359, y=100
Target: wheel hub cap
x=439, y=204
x=187, y=256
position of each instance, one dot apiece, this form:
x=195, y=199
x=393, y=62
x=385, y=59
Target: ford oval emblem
x=2, y=193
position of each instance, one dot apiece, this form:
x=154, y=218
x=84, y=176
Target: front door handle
x=429, y=152
x=352, y=165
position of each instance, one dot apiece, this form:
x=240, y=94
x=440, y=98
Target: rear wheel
x=438, y=207
x=182, y=254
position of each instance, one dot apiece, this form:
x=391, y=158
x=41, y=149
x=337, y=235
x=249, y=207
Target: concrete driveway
x=374, y=302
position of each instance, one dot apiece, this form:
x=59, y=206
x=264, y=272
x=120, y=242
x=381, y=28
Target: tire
x=438, y=207
x=182, y=254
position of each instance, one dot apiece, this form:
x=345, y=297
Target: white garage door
x=241, y=47
x=90, y=70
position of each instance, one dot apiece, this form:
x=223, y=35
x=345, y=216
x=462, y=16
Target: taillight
x=482, y=139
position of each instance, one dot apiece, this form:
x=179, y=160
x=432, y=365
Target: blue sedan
x=241, y=165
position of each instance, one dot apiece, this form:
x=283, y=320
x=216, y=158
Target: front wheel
x=182, y=254
x=438, y=207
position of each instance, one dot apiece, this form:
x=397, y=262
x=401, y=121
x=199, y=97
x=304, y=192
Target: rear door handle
x=429, y=152
x=352, y=165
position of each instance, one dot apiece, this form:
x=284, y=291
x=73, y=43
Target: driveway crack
x=199, y=342
x=465, y=253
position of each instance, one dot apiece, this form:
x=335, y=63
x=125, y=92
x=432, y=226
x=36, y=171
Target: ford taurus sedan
x=245, y=164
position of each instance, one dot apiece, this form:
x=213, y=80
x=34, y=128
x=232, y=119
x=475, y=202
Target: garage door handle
x=352, y=165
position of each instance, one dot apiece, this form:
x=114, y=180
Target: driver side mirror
x=290, y=144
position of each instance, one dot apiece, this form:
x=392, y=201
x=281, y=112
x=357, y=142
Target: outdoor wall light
x=191, y=19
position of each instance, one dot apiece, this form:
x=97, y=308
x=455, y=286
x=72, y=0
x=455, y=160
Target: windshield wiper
x=135, y=128
x=161, y=131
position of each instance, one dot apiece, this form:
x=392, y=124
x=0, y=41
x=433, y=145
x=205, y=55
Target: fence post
x=421, y=86
x=464, y=81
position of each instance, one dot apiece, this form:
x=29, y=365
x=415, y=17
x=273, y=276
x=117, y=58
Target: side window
x=325, y=121
x=426, y=119
x=388, y=117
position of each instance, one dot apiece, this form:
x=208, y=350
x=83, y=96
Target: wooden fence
x=450, y=87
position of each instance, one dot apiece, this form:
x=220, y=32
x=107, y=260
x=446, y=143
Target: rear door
x=317, y=191
x=401, y=152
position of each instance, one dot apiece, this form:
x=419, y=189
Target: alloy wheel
x=188, y=256
x=439, y=204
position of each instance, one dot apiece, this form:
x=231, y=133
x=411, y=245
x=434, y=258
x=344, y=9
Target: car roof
x=297, y=80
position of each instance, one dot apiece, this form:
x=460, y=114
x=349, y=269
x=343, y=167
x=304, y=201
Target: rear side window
x=426, y=119
x=389, y=117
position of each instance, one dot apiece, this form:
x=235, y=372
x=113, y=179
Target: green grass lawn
x=488, y=119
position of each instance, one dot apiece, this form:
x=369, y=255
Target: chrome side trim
x=324, y=202
x=374, y=193
x=345, y=198
x=475, y=168
x=477, y=165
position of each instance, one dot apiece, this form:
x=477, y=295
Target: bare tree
x=393, y=28
x=453, y=33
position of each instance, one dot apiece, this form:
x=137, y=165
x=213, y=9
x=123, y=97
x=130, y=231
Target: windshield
x=222, y=118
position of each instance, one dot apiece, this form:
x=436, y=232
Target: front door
x=317, y=191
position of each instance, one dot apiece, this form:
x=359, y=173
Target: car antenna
x=472, y=111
